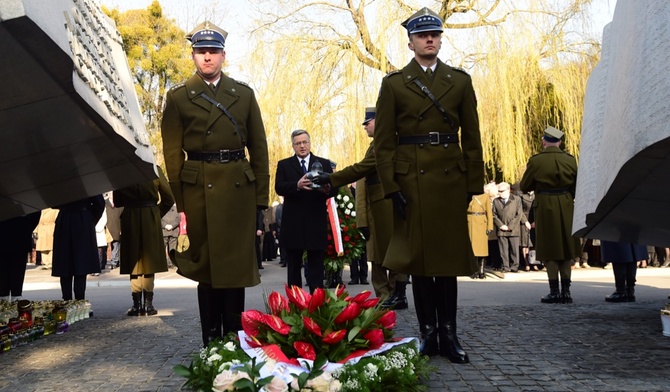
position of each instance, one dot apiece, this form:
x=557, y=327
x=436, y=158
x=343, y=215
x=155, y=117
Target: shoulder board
x=243, y=84
x=394, y=73
x=177, y=86
x=460, y=70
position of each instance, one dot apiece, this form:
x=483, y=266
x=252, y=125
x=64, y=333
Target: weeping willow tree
x=529, y=61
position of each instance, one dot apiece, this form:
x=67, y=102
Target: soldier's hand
x=399, y=203
x=321, y=179
x=365, y=232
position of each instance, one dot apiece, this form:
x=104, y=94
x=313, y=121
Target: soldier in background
x=209, y=124
x=552, y=174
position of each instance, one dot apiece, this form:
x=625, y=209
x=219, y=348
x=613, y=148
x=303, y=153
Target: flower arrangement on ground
x=328, y=323
x=224, y=366
x=352, y=242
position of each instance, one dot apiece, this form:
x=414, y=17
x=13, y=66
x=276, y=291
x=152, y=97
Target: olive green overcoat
x=480, y=223
x=552, y=174
x=435, y=179
x=380, y=212
x=218, y=199
x=142, y=246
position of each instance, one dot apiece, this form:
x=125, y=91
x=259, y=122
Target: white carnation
x=350, y=205
x=345, y=198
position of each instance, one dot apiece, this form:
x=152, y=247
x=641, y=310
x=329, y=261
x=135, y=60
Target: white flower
x=353, y=213
x=224, y=381
x=350, y=205
x=230, y=346
x=371, y=371
x=345, y=198
x=323, y=383
x=338, y=197
x=213, y=358
x=347, y=211
x=276, y=385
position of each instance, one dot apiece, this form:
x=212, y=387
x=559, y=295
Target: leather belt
x=553, y=191
x=431, y=138
x=476, y=213
x=221, y=156
x=140, y=203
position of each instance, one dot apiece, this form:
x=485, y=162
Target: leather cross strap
x=437, y=103
x=227, y=113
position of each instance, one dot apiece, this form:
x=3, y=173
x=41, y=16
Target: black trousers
x=315, y=268
x=66, y=286
x=358, y=268
x=220, y=311
x=13, y=273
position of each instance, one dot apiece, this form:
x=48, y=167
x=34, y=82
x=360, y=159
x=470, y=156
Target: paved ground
x=514, y=342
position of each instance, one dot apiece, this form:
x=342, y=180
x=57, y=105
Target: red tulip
x=370, y=303
x=277, y=303
x=335, y=337
x=387, y=321
x=253, y=342
x=305, y=350
x=251, y=321
x=298, y=297
x=375, y=337
x=311, y=326
x=318, y=298
x=349, y=313
x=361, y=297
x=339, y=291
x=277, y=324
x=346, y=238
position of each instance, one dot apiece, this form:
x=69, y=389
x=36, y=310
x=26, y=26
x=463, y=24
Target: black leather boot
x=137, y=300
x=204, y=307
x=482, y=275
x=397, y=300
x=424, y=303
x=566, y=298
x=149, y=309
x=620, y=295
x=630, y=293
x=446, y=303
x=554, y=296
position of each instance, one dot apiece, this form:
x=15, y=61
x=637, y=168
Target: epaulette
x=460, y=70
x=243, y=84
x=394, y=73
x=176, y=86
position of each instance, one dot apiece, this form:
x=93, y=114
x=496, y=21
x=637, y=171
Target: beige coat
x=480, y=223
x=45, y=230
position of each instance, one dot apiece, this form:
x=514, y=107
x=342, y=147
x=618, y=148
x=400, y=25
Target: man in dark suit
x=304, y=217
x=508, y=217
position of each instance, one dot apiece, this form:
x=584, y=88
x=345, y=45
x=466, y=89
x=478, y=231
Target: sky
x=230, y=15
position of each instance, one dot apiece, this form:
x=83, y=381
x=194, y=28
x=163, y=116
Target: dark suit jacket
x=510, y=214
x=304, y=216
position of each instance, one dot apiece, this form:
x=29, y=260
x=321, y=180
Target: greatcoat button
x=209, y=132
x=422, y=172
x=237, y=185
x=421, y=145
x=209, y=186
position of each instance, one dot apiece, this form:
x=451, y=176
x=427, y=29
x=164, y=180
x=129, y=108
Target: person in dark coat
x=75, y=246
x=508, y=216
x=142, y=246
x=552, y=174
x=304, y=224
x=624, y=257
x=430, y=170
x=16, y=241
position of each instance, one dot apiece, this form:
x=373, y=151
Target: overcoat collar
x=226, y=95
x=439, y=87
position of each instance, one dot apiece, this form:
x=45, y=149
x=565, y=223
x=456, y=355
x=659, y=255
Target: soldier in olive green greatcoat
x=209, y=125
x=388, y=285
x=552, y=174
x=429, y=173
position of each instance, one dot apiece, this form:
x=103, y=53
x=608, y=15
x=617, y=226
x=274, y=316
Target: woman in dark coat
x=16, y=243
x=75, y=247
x=624, y=257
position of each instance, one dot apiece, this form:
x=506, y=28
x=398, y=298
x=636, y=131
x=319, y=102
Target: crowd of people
x=211, y=217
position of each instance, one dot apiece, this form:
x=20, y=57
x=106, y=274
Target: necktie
x=212, y=86
x=429, y=71
x=304, y=168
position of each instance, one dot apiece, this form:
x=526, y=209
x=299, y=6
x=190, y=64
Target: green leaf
x=353, y=333
x=182, y=370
